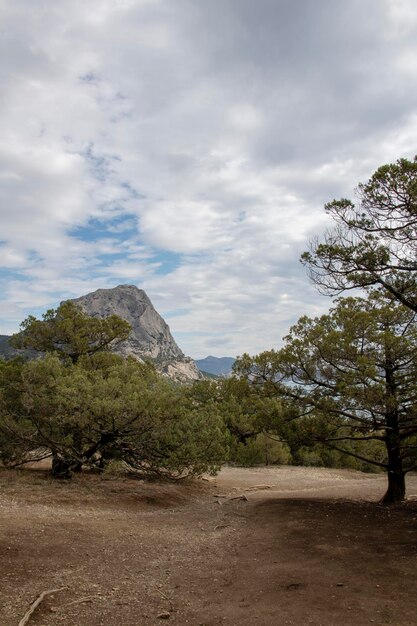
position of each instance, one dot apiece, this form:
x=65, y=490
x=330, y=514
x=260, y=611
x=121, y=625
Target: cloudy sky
x=188, y=147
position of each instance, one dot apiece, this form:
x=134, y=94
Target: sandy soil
x=266, y=546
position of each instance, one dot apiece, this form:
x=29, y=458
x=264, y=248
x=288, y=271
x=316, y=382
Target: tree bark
x=396, y=488
x=61, y=468
x=77, y=438
x=396, y=475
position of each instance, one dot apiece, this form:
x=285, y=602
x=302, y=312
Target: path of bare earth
x=264, y=546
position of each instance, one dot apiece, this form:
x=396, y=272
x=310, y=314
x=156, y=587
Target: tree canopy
x=373, y=242
x=106, y=408
x=70, y=332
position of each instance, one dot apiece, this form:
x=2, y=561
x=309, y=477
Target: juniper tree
x=105, y=407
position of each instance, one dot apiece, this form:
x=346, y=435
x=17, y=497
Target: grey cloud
x=217, y=129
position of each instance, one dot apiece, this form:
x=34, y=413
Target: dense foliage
x=104, y=408
x=88, y=407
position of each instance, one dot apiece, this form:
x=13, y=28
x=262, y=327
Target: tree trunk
x=77, y=439
x=396, y=474
x=396, y=488
x=61, y=468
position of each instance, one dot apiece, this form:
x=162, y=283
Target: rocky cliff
x=150, y=336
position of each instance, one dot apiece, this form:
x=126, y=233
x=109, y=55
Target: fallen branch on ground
x=25, y=619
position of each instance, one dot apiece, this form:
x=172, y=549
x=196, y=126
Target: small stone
x=164, y=615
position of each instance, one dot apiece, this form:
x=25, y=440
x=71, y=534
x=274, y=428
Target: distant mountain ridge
x=219, y=366
x=8, y=352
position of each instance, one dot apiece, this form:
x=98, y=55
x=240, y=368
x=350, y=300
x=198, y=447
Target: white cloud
x=213, y=132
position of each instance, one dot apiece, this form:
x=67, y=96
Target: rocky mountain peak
x=150, y=336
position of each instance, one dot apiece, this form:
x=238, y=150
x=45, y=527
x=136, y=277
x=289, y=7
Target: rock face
x=150, y=336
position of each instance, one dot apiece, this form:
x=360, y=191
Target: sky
x=188, y=147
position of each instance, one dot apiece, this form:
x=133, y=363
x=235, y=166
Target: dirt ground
x=265, y=546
